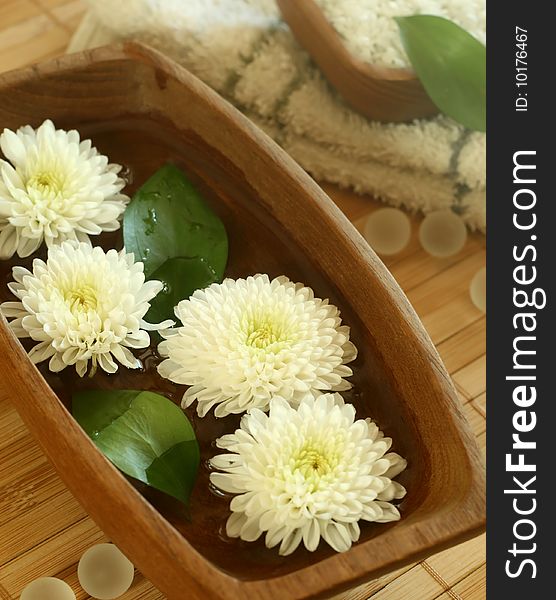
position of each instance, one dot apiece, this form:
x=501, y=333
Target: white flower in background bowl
x=83, y=305
x=244, y=341
x=54, y=188
x=307, y=473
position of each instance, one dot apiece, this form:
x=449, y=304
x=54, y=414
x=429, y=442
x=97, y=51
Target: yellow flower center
x=262, y=332
x=82, y=299
x=46, y=182
x=262, y=336
x=314, y=461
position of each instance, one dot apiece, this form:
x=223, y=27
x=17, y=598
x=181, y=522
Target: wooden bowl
x=379, y=93
x=143, y=110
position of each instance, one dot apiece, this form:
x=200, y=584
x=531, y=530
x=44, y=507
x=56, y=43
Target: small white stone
x=47, y=588
x=477, y=289
x=104, y=572
x=442, y=233
x=387, y=231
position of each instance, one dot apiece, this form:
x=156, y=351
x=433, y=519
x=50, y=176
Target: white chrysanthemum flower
x=83, y=305
x=306, y=473
x=56, y=188
x=244, y=341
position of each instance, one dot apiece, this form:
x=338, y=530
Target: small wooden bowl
x=143, y=110
x=379, y=93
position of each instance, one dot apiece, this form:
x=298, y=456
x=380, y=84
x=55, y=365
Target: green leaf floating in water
x=451, y=65
x=144, y=434
x=176, y=235
x=181, y=277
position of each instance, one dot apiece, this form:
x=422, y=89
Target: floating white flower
x=83, y=305
x=306, y=473
x=56, y=188
x=243, y=341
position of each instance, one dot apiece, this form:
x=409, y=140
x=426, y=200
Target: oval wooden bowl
x=379, y=93
x=143, y=110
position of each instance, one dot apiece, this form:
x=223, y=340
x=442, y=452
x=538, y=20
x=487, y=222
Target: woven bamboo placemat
x=44, y=531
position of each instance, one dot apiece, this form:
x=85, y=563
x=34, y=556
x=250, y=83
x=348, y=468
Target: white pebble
x=104, y=572
x=477, y=289
x=387, y=231
x=442, y=233
x=47, y=588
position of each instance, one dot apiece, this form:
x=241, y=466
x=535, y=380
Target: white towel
x=244, y=50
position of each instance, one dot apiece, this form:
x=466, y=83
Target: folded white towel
x=244, y=50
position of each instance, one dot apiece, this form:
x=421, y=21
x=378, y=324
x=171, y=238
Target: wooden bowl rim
x=370, y=70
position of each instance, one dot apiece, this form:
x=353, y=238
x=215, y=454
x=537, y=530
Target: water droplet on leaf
x=150, y=221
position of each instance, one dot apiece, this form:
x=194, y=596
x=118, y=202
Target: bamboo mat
x=44, y=531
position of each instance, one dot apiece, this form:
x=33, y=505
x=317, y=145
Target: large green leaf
x=167, y=218
x=144, y=434
x=181, y=277
x=451, y=65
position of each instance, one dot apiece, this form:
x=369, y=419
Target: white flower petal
x=55, y=189
x=245, y=341
x=397, y=465
x=250, y=530
x=10, y=178
x=311, y=535
x=125, y=357
x=12, y=309
x=107, y=363
x=157, y=326
x=41, y=352
x=12, y=147
x=81, y=367
x=306, y=473
x=225, y=483
x=389, y=512
x=275, y=536
x=9, y=240
x=354, y=531
x=56, y=363
x=290, y=542
x=234, y=524
x=392, y=491
x=27, y=246
x=81, y=306
x=337, y=536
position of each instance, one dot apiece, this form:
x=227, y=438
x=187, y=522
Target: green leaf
x=167, y=218
x=144, y=434
x=451, y=65
x=167, y=471
x=181, y=277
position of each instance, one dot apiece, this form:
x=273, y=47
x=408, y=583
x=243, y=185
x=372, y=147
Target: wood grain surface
x=43, y=530
x=381, y=93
